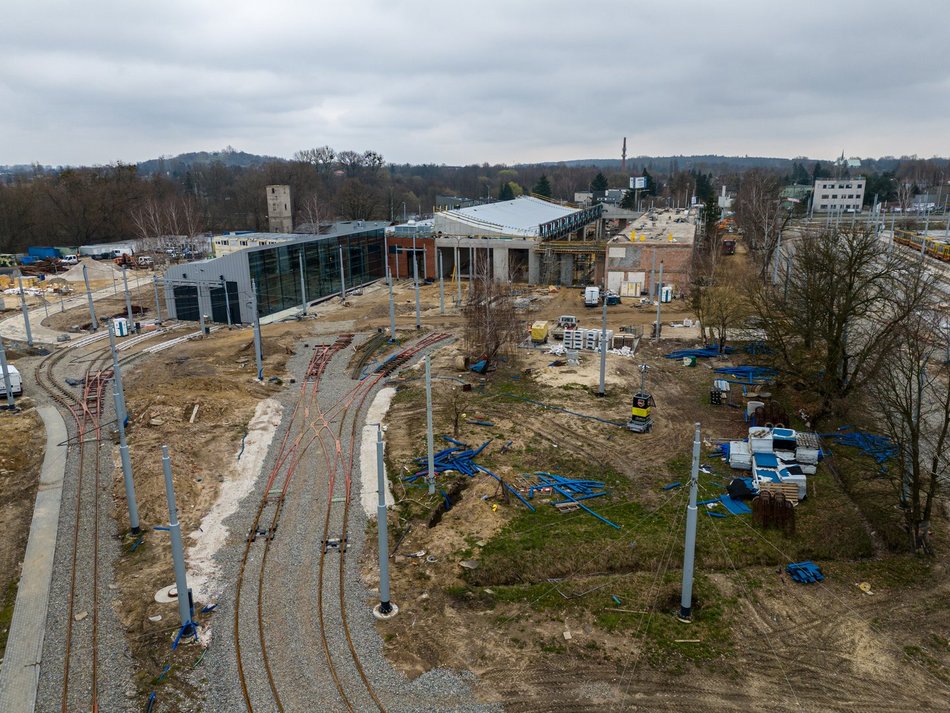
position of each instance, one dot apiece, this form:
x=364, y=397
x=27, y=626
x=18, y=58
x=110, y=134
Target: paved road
x=12, y=328
x=20, y=673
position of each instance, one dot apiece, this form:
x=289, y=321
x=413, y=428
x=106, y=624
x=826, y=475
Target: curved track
x=326, y=428
x=85, y=429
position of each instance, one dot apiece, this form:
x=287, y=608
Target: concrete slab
x=20, y=673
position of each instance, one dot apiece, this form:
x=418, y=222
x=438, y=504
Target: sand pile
x=96, y=269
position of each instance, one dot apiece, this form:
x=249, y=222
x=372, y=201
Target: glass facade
x=276, y=270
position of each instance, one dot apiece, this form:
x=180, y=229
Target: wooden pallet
x=789, y=490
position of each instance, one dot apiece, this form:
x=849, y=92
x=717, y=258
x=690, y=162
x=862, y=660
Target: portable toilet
x=666, y=293
x=121, y=326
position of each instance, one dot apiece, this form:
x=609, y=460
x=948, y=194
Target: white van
x=69, y=260
x=16, y=382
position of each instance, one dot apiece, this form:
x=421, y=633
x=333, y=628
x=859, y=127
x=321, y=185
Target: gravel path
x=290, y=597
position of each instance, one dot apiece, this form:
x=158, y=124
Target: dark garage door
x=186, y=303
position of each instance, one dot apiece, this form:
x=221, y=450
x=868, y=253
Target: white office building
x=834, y=195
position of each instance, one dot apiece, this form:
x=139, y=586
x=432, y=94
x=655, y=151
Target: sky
x=510, y=81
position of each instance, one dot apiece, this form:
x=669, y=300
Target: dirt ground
x=76, y=318
x=758, y=642
x=539, y=623
x=215, y=374
x=22, y=445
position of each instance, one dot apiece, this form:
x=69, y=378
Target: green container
x=689, y=361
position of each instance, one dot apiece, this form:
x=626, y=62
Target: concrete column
x=534, y=267
x=178, y=551
x=567, y=270
x=500, y=264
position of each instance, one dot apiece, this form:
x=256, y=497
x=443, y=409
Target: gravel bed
x=116, y=691
x=292, y=633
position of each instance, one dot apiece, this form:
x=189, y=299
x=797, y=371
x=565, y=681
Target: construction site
x=450, y=494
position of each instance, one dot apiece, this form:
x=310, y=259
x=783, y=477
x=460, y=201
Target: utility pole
x=303, y=287
x=26, y=314
x=8, y=388
x=121, y=416
x=458, y=274
x=392, y=306
x=227, y=301
x=659, y=303
x=429, y=438
x=415, y=279
x=178, y=552
x=385, y=609
x=128, y=298
x=689, y=555
x=342, y=277
x=258, y=352
x=603, y=352
x=441, y=282
x=653, y=291
x=893, y=229
x=158, y=308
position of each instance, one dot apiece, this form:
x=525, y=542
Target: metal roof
x=521, y=216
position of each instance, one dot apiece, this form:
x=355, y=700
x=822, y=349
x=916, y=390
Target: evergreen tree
x=542, y=187
x=599, y=183
x=505, y=193
x=629, y=201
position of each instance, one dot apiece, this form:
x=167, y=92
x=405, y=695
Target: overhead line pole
x=689, y=554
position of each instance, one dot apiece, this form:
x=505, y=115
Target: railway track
x=89, y=485
x=313, y=423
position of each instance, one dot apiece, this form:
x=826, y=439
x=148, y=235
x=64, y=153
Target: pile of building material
x=573, y=490
x=780, y=460
x=880, y=448
x=96, y=269
x=805, y=572
x=581, y=338
x=704, y=353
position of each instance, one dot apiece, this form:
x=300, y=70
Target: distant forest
x=224, y=190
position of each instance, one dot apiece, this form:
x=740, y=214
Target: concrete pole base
x=382, y=615
x=685, y=616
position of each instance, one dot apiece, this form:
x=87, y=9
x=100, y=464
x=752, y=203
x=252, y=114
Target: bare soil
x=540, y=626
x=22, y=445
x=76, y=318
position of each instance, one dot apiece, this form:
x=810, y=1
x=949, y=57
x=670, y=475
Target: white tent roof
x=521, y=216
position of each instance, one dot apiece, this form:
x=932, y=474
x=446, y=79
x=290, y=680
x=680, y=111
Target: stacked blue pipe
x=805, y=572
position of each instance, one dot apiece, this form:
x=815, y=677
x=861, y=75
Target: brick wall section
x=400, y=264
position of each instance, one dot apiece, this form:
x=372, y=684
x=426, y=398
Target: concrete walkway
x=13, y=328
x=20, y=673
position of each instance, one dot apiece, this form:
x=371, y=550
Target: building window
x=244, y=243
x=848, y=186
x=834, y=195
x=823, y=206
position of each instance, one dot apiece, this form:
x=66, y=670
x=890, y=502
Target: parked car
x=69, y=260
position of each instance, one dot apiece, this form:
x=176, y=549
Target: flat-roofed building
x=838, y=195
x=221, y=288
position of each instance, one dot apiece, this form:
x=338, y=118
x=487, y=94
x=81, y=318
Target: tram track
x=325, y=426
x=88, y=483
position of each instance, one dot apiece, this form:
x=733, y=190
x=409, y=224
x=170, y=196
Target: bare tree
x=321, y=158
x=310, y=214
x=914, y=397
x=491, y=323
x=833, y=318
x=760, y=215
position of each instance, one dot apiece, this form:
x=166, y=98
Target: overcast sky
x=93, y=81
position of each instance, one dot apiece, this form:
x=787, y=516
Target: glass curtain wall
x=277, y=270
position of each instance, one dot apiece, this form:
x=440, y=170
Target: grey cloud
x=493, y=81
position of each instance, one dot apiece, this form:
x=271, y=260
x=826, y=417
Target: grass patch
x=6, y=614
